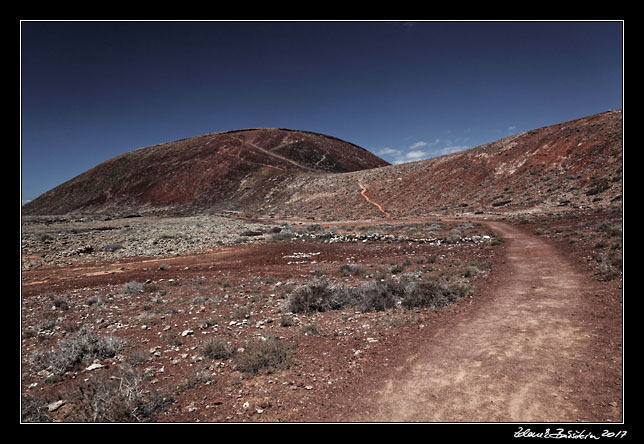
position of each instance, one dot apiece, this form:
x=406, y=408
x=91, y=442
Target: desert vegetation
x=200, y=311
x=81, y=348
x=319, y=295
x=136, y=350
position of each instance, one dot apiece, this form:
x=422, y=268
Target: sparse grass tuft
x=59, y=301
x=82, y=347
x=317, y=295
x=610, y=228
x=120, y=398
x=432, y=294
x=33, y=409
x=352, y=270
x=217, y=348
x=264, y=355
x=132, y=287
x=610, y=265
x=378, y=295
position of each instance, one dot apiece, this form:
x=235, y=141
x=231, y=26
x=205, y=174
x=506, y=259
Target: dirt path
x=364, y=194
x=277, y=156
x=538, y=343
x=520, y=357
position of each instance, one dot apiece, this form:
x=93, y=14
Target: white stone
x=94, y=366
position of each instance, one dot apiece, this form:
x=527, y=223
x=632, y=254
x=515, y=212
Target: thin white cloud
x=388, y=151
x=422, y=143
x=411, y=156
x=414, y=155
x=418, y=145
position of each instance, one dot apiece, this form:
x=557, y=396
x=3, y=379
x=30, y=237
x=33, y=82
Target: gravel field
x=66, y=240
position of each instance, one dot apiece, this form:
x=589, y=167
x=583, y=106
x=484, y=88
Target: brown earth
x=221, y=171
x=558, y=168
x=540, y=339
x=289, y=174
x=532, y=225
x=528, y=354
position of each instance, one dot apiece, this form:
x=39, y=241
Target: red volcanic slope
x=571, y=165
x=286, y=173
x=233, y=170
x=568, y=165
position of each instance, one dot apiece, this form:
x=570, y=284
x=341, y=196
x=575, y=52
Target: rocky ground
x=167, y=308
x=195, y=318
x=66, y=240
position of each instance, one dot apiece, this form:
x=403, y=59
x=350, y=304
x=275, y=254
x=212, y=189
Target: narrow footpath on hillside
x=522, y=356
x=363, y=192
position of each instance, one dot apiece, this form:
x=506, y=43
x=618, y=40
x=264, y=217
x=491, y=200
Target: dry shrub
x=264, y=355
x=319, y=295
x=82, y=347
x=432, y=294
x=33, y=409
x=217, y=348
x=123, y=397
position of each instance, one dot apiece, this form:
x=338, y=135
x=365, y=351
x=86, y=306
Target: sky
x=406, y=91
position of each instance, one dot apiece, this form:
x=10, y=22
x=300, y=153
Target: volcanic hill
x=234, y=170
x=571, y=165
x=288, y=173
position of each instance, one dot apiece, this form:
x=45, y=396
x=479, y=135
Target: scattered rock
x=56, y=405
x=94, y=366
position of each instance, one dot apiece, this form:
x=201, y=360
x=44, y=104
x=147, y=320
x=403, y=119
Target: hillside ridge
x=281, y=172
x=571, y=165
x=228, y=170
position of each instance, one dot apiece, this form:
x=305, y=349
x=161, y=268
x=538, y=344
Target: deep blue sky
x=404, y=91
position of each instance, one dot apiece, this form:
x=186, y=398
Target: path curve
x=364, y=194
x=517, y=358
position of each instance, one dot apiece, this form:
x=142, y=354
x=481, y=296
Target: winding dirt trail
x=535, y=345
x=364, y=194
x=519, y=357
